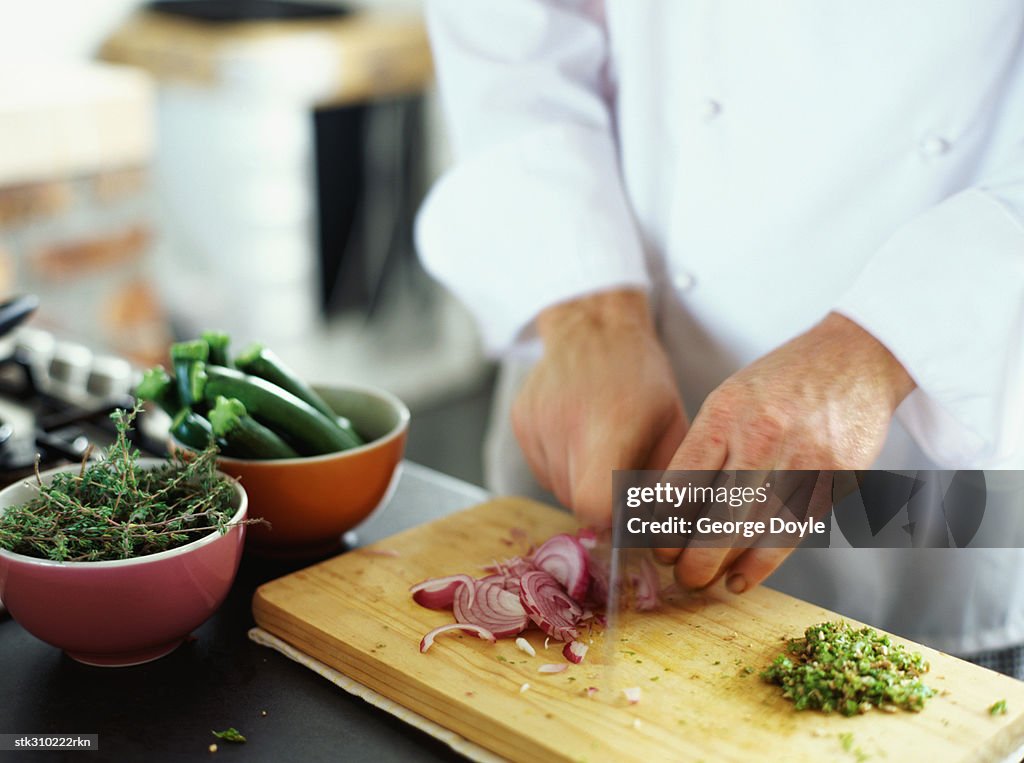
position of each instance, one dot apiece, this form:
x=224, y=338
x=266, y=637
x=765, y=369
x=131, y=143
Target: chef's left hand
x=821, y=401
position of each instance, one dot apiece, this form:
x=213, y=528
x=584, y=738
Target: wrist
x=874, y=356
x=618, y=309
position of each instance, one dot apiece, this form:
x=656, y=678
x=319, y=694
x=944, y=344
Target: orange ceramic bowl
x=310, y=502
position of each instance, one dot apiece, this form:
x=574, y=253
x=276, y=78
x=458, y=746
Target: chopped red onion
x=439, y=593
x=549, y=606
x=490, y=605
x=646, y=584
x=632, y=694
x=552, y=668
x=428, y=639
x=388, y=552
x=525, y=646
x=564, y=559
x=575, y=651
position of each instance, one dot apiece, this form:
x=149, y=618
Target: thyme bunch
x=116, y=509
x=836, y=667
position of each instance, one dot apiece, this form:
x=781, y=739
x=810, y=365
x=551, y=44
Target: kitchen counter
x=166, y=709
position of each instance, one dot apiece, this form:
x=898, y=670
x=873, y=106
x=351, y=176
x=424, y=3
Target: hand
x=602, y=397
x=822, y=401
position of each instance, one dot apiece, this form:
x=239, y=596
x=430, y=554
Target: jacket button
x=933, y=145
x=683, y=281
x=709, y=109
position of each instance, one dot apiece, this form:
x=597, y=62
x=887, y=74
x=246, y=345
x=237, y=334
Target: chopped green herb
x=229, y=735
x=572, y=678
x=846, y=740
x=836, y=667
x=501, y=658
x=747, y=670
x=629, y=652
x=655, y=678
x=717, y=662
x=998, y=708
x=639, y=662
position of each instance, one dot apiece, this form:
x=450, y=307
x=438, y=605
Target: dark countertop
x=166, y=709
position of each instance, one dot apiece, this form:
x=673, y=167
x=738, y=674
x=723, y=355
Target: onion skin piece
x=428, y=640
x=525, y=646
x=439, y=593
x=566, y=560
x=552, y=668
x=575, y=651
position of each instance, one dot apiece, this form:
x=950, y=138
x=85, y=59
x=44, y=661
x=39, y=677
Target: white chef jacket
x=755, y=165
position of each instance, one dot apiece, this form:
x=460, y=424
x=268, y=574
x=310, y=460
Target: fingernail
x=736, y=583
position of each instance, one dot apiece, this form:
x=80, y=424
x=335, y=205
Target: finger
x=703, y=449
x=667, y=443
x=753, y=567
x=532, y=450
x=701, y=565
x=590, y=469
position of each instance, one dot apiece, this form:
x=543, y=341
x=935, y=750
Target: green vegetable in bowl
x=309, y=431
x=257, y=360
x=217, y=342
x=191, y=429
x=243, y=435
x=267, y=411
x=158, y=387
x=189, y=359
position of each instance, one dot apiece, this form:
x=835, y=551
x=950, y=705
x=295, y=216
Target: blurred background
x=252, y=166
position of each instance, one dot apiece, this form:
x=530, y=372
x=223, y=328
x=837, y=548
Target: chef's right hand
x=602, y=397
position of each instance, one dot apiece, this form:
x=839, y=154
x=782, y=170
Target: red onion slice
x=439, y=593
x=587, y=536
x=491, y=606
x=507, y=581
x=548, y=606
x=564, y=559
x=575, y=651
x=428, y=639
x=646, y=584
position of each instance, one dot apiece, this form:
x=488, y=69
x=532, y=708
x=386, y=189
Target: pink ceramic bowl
x=121, y=612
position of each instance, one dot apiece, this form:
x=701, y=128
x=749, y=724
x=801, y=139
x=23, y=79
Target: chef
x=707, y=234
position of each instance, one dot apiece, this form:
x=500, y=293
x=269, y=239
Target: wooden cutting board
x=699, y=700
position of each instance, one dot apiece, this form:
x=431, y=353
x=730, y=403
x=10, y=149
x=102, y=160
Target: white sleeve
x=533, y=212
x=945, y=294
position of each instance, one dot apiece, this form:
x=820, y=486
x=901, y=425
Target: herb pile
x=115, y=509
x=836, y=667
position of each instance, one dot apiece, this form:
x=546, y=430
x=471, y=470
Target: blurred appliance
x=289, y=160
